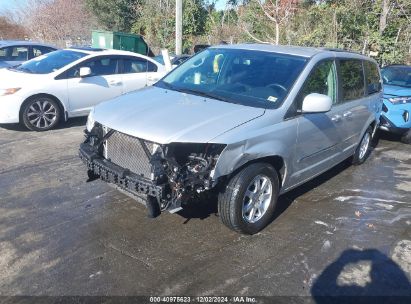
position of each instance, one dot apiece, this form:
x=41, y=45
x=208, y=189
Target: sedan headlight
x=10, y=91
x=90, y=121
x=400, y=100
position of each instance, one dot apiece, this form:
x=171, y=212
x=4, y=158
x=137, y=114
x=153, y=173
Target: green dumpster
x=120, y=41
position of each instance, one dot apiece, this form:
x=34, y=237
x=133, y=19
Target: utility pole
x=179, y=27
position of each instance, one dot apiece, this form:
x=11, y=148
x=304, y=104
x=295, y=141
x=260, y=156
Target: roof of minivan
x=287, y=49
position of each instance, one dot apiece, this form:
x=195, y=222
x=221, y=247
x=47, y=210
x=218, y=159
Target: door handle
x=347, y=114
x=336, y=118
x=115, y=82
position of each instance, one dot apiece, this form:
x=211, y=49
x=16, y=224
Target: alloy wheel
x=257, y=198
x=42, y=114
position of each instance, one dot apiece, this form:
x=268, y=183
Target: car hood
x=391, y=90
x=3, y=64
x=11, y=79
x=164, y=116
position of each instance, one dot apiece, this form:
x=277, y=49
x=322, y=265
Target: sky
x=10, y=4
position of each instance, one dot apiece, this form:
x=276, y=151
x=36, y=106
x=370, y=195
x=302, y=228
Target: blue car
x=396, y=111
x=14, y=52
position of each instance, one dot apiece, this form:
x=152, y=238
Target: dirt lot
x=346, y=232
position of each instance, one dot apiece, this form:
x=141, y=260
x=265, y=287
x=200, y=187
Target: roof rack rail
x=338, y=50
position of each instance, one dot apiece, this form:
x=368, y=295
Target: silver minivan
x=248, y=122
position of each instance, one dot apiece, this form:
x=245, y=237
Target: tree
x=156, y=22
x=262, y=20
x=115, y=15
x=10, y=29
x=222, y=25
x=56, y=21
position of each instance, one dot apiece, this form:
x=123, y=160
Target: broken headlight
x=190, y=164
x=90, y=121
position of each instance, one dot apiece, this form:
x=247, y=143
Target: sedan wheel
x=41, y=114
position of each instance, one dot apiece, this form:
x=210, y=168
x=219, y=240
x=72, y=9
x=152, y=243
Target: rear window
x=14, y=53
x=138, y=65
x=352, y=79
x=373, y=77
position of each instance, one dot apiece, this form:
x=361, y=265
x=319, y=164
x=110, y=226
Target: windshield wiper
x=168, y=85
x=206, y=94
x=195, y=92
x=25, y=70
x=20, y=69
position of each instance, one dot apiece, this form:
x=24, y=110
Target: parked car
x=248, y=121
x=396, y=113
x=175, y=60
x=68, y=83
x=13, y=52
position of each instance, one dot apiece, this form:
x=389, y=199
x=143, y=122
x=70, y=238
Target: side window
x=41, y=50
x=322, y=80
x=14, y=53
x=99, y=67
x=37, y=52
x=138, y=65
x=151, y=67
x=373, y=78
x=3, y=53
x=352, y=79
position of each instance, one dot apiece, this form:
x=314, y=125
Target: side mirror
x=316, y=103
x=85, y=72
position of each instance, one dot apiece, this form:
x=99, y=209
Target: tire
x=40, y=114
x=364, y=147
x=235, y=203
x=406, y=138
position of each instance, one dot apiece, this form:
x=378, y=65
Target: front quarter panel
x=253, y=142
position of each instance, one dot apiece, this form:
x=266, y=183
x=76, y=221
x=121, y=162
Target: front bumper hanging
x=117, y=175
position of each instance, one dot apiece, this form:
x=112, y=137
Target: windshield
x=398, y=76
x=247, y=77
x=50, y=62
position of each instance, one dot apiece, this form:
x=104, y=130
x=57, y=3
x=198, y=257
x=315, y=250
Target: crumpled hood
x=393, y=91
x=164, y=116
x=10, y=79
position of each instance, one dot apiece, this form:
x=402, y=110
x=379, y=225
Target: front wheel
x=40, y=114
x=363, y=149
x=248, y=201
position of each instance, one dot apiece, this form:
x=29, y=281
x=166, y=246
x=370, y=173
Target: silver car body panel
x=308, y=144
x=164, y=116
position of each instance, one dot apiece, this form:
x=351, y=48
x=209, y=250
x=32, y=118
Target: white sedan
x=69, y=83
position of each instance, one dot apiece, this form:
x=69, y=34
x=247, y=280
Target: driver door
x=103, y=84
x=319, y=134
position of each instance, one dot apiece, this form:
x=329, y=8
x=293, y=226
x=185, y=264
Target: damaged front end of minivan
x=168, y=174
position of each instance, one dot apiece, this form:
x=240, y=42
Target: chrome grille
x=128, y=152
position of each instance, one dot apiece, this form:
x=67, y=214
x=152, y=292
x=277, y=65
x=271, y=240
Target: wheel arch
x=60, y=104
x=277, y=161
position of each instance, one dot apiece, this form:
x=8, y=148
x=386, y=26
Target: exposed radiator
x=128, y=152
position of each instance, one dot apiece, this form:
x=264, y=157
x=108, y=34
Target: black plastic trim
x=117, y=175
